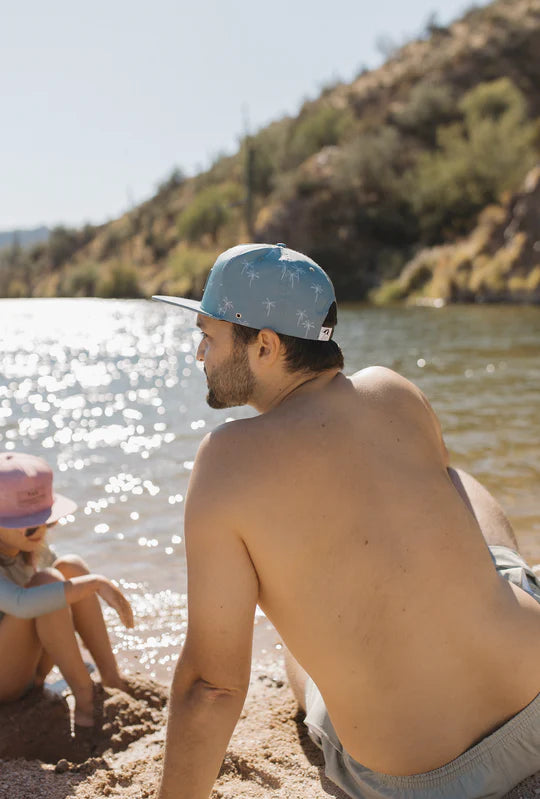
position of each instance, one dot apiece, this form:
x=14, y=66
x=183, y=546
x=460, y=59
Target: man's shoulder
x=392, y=391
x=224, y=470
x=226, y=449
x=381, y=377
x=236, y=432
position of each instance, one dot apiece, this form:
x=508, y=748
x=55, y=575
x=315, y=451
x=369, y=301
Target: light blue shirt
x=27, y=603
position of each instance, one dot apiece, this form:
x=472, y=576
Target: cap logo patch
x=325, y=334
x=31, y=497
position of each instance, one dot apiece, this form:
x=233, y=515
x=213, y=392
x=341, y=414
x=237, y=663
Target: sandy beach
x=269, y=755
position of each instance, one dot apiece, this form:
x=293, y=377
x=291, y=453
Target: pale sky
x=100, y=101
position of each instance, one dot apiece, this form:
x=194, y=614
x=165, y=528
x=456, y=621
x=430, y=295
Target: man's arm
x=212, y=674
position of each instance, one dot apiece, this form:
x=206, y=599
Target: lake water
x=109, y=393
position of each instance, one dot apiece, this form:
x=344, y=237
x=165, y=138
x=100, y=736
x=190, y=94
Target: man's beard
x=232, y=382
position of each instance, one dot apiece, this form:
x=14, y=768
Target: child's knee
x=71, y=566
x=44, y=576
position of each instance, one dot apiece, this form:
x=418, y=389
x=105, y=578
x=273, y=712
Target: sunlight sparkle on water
x=160, y=629
x=101, y=528
x=91, y=385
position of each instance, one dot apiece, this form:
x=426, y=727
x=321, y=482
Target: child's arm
x=27, y=603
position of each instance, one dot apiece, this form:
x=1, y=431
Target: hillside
x=362, y=179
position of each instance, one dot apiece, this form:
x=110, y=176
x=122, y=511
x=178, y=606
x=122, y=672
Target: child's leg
x=43, y=668
x=56, y=636
x=21, y=650
x=90, y=624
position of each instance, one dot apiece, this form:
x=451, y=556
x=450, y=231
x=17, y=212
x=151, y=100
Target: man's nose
x=200, y=351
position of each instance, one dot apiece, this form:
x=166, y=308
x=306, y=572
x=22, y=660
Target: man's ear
x=268, y=346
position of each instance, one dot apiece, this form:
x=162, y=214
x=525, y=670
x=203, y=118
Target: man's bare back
x=376, y=574
x=337, y=512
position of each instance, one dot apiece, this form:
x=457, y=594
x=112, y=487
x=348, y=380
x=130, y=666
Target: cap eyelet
x=238, y=315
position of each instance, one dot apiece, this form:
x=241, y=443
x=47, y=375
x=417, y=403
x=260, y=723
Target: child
x=43, y=599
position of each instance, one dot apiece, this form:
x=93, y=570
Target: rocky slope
x=498, y=262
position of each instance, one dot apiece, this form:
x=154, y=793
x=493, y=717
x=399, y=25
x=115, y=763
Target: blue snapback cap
x=266, y=285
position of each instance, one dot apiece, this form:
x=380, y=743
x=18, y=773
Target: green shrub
x=157, y=241
x=62, y=244
x=121, y=281
x=319, y=125
x=187, y=268
x=268, y=147
x=493, y=101
x=17, y=288
x=368, y=183
x=16, y=271
x=371, y=163
x=110, y=241
x=430, y=105
x=476, y=160
x=209, y=212
x=80, y=280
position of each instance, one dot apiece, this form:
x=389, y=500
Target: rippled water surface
x=110, y=394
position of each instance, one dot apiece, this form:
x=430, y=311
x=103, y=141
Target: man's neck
x=292, y=386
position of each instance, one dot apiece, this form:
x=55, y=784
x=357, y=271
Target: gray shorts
x=490, y=769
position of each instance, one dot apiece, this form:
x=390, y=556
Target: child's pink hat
x=26, y=492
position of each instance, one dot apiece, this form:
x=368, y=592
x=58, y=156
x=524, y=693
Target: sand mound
x=38, y=727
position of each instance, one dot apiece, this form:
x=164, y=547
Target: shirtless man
x=337, y=512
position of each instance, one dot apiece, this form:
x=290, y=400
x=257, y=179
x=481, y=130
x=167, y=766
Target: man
x=336, y=510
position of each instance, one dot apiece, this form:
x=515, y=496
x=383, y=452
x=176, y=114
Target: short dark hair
x=301, y=355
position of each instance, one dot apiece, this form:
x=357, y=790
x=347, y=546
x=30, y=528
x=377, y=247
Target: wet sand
x=269, y=755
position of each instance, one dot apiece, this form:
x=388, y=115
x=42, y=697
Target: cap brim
x=60, y=508
x=183, y=302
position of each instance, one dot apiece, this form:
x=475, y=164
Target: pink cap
x=26, y=492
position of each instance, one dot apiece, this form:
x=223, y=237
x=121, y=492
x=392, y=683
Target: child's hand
x=116, y=599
